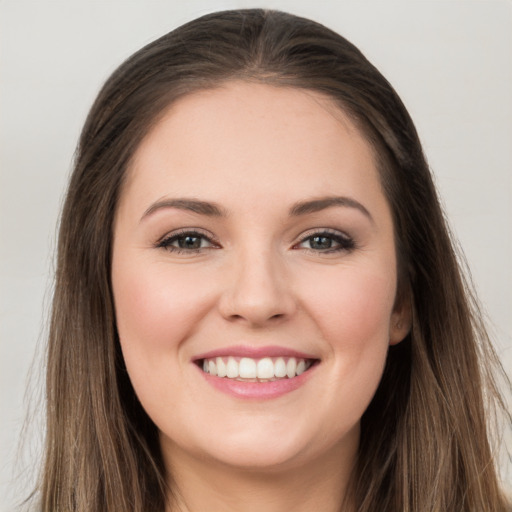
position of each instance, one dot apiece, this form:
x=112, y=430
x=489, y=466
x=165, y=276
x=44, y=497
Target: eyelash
x=343, y=242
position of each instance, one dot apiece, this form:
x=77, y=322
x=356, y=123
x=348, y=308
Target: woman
x=256, y=291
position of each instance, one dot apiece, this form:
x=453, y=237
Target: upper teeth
x=248, y=368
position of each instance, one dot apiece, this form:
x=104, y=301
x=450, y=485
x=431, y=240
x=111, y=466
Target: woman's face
x=253, y=241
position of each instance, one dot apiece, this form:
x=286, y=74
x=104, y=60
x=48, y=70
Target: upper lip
x=254, y=352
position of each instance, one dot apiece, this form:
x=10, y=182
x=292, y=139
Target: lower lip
x=257, y=390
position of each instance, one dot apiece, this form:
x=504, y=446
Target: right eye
x=186, y=242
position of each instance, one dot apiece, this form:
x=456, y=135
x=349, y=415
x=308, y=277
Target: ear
x=401, y=321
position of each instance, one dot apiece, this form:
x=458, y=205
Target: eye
x=187, y=242
x=326, y=241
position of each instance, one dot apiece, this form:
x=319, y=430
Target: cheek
x=156, y=308
x=353, y=316
x=354, y=310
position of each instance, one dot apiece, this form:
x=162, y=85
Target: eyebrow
x=322, y=203
x=301, y=208
x=192, y=205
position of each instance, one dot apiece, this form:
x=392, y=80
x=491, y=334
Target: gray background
x=451, y=62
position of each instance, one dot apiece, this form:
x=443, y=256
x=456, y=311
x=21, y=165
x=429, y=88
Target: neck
x=320, y=485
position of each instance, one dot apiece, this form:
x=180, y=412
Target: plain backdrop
x=450, y=61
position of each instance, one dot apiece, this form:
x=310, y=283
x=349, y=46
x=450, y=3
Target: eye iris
x=189, y=242
x=320, y=242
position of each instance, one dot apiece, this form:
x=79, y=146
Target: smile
x=247, y=369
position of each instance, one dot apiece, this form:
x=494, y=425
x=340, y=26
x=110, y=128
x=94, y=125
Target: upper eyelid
x=188, y=231
x=327, y=231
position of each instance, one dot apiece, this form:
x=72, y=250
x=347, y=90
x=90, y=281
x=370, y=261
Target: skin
x=256, y=151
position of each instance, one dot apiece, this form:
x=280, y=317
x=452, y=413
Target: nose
x=257, y=290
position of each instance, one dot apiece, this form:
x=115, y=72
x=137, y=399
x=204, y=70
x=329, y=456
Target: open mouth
x=246, y=369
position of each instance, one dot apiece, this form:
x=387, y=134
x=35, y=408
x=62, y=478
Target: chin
x=264, y=448
x=269, y=457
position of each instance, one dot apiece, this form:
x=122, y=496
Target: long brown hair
x=424, y=438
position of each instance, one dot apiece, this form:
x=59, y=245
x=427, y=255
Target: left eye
x=326, y=242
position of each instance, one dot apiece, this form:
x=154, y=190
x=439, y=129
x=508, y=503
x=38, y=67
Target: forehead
x=254, y=138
